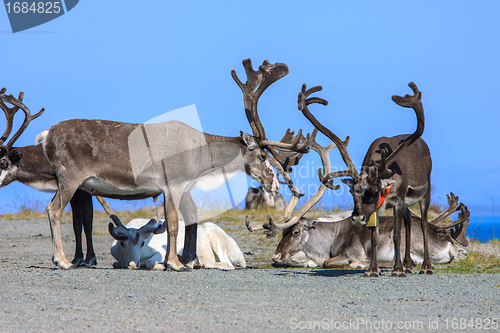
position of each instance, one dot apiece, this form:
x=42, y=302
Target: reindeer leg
x=373, y=270
x=171, y=259
x=408, y=262
x=88, y=219
x=54, y=211
x=189, y=212
x=76, y=210
x=398, y=269
x=339, y=261
x=81, y=205
x=424, y=207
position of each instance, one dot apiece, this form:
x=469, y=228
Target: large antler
x=453, y=206
x=341, y=145
x=257, y=83
x=274, y=227
x=9, y=115
x=408, y=101
x=287, y=152
x=303, y=101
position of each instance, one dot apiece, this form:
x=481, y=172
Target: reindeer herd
x=81, y=158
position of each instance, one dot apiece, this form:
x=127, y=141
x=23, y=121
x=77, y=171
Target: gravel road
x=35, y=296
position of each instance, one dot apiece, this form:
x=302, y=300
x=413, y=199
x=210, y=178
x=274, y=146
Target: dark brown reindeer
x=395, y=174
x=96, y=155
x=28, y=166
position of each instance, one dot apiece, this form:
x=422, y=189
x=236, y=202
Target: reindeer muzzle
x=359, y=220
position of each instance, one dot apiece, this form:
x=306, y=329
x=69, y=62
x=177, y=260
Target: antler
x=408, y=101
x=257, y=83
x=341, y=145
x=453, y=206
x=9, y=115
x=287, y=152
x=463, y=216
x=274, y=227
x=287, y=221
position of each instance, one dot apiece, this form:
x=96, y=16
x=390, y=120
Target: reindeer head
x=257, y=164
x=10, y=157
x=293, y=240
x=130, y=242
x=369, y=190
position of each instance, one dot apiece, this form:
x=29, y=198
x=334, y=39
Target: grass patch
x=475, y=263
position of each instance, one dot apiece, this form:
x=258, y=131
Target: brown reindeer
x=136, y=161
x=28, y=166
x=395, y=174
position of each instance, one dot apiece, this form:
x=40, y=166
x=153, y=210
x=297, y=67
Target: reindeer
x=136, y=161
x=333, y=241
x=395, y=174
x=28, y=166
x=140, y=244
x=258, y=198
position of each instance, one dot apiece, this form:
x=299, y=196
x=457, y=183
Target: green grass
x=475, y=263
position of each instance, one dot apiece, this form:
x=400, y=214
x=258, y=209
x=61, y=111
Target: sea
x=484, y=228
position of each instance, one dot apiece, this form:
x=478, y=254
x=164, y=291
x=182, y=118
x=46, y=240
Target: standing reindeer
x=28, y=166
x=395, y=174
x=173, y=158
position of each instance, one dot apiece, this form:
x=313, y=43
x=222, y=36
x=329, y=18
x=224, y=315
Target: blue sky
x=131, y=61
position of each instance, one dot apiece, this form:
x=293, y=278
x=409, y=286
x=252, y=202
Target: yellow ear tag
x=373, y=220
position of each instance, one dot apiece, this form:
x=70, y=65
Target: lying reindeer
x=258, y=198
x=333, y=241
x=142, y=244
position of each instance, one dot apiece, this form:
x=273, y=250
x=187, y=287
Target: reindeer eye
x=295, y=233
x=262, y=157
x=122, y=244
x=4, y=164
x=142, y=244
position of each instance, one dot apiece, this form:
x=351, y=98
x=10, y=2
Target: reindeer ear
x=308, y=223
x=15, y=155
x=162, y=227
x=249, y=140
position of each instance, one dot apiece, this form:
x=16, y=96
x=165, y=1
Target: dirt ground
x=35, y=296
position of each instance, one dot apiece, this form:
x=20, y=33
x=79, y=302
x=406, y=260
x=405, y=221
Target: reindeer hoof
x=63, y=263
x=408, y=271
x=371, y=274
x=399, y=274
x=178, y=268
x=426, y=272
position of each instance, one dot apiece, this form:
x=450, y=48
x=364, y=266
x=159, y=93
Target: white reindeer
x=142, y=244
